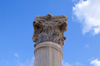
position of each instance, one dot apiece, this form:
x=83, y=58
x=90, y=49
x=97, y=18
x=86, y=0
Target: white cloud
x=88, y=13
x=74, y=64
x=91, y=59
x=27, y=63
x=65, y=64
x=95, y=62
x=86, y=46
x=17, y=55
x=18, y=62
x=78, y=64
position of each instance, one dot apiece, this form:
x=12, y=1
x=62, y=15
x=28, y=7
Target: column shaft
x=48, y=54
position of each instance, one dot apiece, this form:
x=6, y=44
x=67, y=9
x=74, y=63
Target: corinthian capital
x=49, y=28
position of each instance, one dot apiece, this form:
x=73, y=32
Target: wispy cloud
x=18, y=62
x=95, y=62
x=27, y=63
x=17, y=55
x=65, y=64
x=86, y=46
x=74, y=64
x=88, y=13
x=78, y=64
x=91, y=59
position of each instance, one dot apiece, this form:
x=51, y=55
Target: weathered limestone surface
x=48, y=54
x=49, y=28
x=49, y=38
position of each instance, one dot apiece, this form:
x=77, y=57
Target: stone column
x=49, y=38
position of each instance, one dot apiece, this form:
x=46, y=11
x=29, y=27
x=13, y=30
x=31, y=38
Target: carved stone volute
x=49, y=28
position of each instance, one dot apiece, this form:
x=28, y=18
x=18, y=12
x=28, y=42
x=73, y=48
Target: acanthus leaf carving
x=50, y=28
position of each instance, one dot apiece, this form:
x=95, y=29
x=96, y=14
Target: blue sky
x=82, y=46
